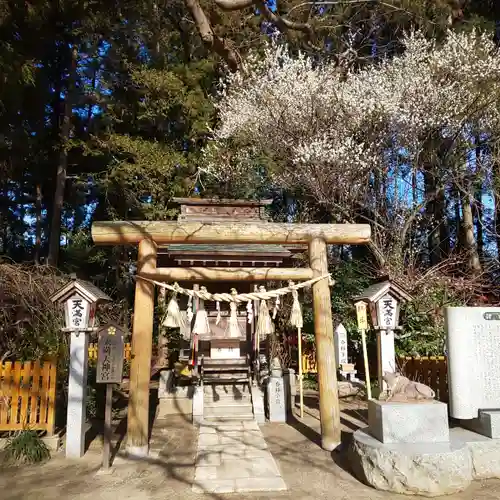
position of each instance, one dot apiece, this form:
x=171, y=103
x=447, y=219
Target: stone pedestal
x=487, y=424
x=425, y=422
x=198, y=401
x=258, y=405
x=77, y=393
x=172, y=399
x=290, y=388
x=276, y=399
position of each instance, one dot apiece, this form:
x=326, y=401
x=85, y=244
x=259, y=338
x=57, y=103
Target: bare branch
x=231, y=5
x=209, y=38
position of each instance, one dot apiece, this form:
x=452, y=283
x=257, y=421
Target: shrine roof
x=225, y=249
x=221, y=201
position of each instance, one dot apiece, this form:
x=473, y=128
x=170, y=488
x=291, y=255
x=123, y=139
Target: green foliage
x=351, y=278
x=423, y=320
x=26, y=447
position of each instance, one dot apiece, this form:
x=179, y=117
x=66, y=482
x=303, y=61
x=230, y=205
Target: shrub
x=27, y=447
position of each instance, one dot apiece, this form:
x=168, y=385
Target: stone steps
x=228, y=402
x=227, y=409
x=247, y=417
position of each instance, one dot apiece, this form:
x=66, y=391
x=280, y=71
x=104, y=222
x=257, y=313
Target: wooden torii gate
x=150, y=234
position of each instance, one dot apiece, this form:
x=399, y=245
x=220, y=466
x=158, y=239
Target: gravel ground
x=308, y=471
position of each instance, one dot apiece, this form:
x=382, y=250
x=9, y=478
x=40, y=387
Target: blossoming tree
x=418, y=119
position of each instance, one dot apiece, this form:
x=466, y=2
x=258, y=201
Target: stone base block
x=258, y=405
x=487, y=424
x=174, y=406
x=429, y=470
x=484, y=451
x=408, y=422
x=198, y=405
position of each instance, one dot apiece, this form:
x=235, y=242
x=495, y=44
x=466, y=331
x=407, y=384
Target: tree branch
x=209, y=38
x=230, y=5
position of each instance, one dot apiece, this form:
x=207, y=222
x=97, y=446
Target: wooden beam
x=228, y=274
x=327, y=369
x=140, y=367
x=164, y=232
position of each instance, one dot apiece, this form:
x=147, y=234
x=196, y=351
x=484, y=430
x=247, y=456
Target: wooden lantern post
x=142, y=345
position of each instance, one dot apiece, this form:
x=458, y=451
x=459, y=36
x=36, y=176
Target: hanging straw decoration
x=217, y=307
x=189, y=311
x=233, y=328
x=276, y=307
x=201, y=325
x=265, y=325
x=249, y=312
x=174, y=318
x=296, y=314
x=297, y=321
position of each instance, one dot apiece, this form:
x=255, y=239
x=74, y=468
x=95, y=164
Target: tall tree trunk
x=38, y=223
x=469, y=237
x=478, y=216
x=478, y=203
x=432, y=215
x=55, y=229
x=496, y=195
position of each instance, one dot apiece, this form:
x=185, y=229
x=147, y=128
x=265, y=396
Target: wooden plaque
x=111, y=344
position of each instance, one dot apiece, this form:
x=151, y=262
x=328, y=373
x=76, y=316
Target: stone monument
x=406, y=448
x=276, y=396
x=473, y=342
x=346, y=369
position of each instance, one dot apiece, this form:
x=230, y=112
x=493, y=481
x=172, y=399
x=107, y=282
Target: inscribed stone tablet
x=276, y=399
x=473, y=342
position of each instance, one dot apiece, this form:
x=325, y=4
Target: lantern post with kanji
x=384, y=301
x=80, y=300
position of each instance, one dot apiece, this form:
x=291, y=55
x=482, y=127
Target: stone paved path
x=234, y=457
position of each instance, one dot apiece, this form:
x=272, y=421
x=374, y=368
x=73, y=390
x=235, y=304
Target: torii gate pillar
x=142, y=345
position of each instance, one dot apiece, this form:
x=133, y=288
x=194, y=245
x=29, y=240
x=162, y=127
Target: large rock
x=348, y=388
x=413, y=469
x=484, y=451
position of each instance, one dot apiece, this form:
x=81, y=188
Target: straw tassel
x=249, y=312
x=201, y=325
x=276, y=307
x=296, y=313
x=189, y=312
x=217, y=307
x=264, y=323
x=174, y=318
x=233, y=328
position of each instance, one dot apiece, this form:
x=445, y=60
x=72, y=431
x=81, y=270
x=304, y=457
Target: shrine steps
x=227, y=402
x=225, y=371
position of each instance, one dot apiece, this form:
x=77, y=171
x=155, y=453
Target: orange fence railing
x=27, y=395
x=430, y=370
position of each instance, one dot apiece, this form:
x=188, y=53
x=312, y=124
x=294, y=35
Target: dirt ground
x=308, y=471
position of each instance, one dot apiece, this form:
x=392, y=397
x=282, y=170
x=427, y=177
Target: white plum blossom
x=330, y=131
